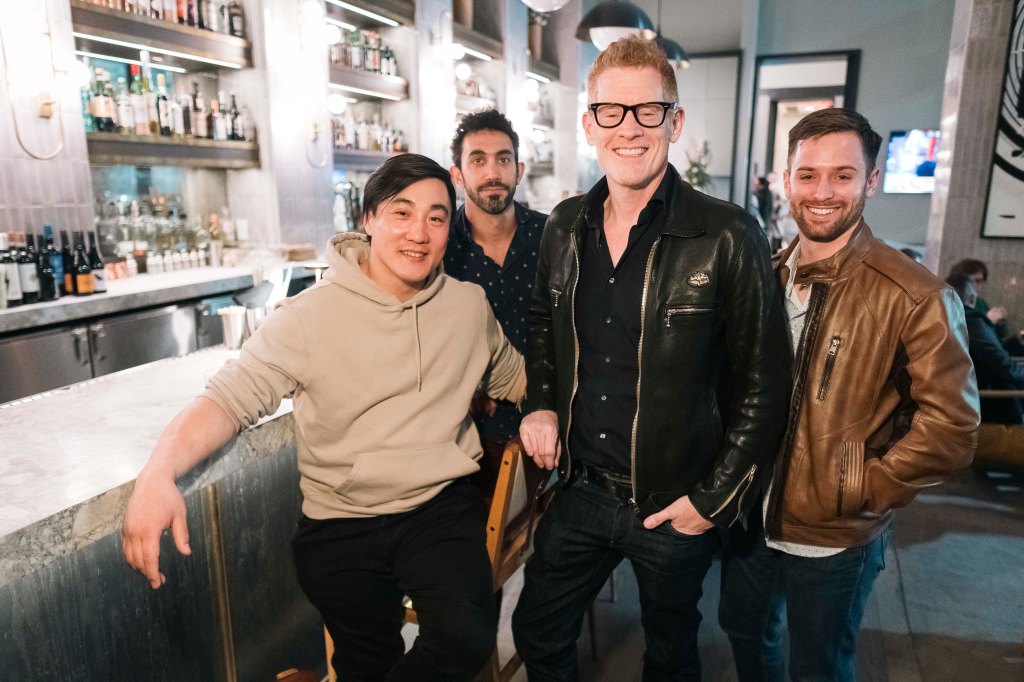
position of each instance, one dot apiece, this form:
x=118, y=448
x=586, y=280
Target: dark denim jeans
x=583, y=536
x=355, y=572
x=821, y=599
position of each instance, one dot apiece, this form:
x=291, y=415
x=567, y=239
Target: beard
x=494, y=202
x=843, y=221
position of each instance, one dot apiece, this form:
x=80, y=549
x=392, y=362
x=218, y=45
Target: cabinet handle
x=97, y=334
x=78, y=336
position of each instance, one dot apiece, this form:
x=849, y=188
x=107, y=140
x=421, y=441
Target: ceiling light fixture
x=614, y=19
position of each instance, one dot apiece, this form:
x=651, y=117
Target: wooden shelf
x=545, y=69
x=355, y=159
x=467, y=104
x=401, y=11
x=475, y=40
x=114, y=149
x=193, y=49
x=543, y=123
x=369, y=86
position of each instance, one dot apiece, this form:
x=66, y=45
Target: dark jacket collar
x=682, y=214
x=837, y=266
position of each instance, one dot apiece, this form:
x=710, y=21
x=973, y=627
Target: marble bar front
x=71, y=608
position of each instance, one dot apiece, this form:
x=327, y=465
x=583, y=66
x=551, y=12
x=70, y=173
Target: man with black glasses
x=657, y=378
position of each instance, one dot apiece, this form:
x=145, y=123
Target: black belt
x=619, y=486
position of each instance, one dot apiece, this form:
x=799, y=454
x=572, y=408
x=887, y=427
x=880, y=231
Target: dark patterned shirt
x=509, y=288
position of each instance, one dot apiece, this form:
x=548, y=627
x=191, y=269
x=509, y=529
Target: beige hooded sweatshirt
x=381, y=388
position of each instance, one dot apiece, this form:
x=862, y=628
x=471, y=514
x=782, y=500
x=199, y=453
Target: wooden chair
x=1000, y=446
x=521, y=495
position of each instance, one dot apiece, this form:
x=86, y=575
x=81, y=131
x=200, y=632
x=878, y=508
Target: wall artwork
x=1004, y=209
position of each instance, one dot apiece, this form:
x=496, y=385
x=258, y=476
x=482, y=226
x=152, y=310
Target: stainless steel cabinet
x=42, y=361
x=131, y=340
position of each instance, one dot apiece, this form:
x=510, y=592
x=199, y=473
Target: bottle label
x=13, y=281
x=102, y=107
x=28, y=278
x=99, y=280
x=68, y=283
x=164, y=110
x=84, y=281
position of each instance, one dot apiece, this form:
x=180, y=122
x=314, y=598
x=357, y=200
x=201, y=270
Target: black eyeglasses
x=647, y=114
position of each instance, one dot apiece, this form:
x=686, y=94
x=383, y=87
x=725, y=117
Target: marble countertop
x=128, y=294
x=69, y=457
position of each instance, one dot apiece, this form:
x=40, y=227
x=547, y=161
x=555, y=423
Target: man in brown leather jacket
x=884, y=405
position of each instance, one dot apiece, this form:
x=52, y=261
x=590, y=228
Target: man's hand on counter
x=156, y=504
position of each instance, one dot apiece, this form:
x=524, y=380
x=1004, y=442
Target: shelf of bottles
x=37, y=274
x=117, y=149
x=195, y=35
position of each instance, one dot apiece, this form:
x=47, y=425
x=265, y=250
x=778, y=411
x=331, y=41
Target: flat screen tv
x=910, y=161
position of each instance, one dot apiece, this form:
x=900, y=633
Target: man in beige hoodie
x=384, y=437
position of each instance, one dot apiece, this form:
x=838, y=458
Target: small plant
x=697, y=172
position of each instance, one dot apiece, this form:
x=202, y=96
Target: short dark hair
x=835, y=120
x=961, y=283
x=399, y=172
x=485, y=119
x=970, y=266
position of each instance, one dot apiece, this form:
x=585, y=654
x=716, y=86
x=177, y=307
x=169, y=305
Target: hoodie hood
x=346, y=253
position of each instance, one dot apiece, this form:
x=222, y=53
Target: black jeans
x=583, y=536
x=821, y=598
x=355, y=572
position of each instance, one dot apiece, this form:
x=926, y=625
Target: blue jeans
x=822, y=600
x=584, y=535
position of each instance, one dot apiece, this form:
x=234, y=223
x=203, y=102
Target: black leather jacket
x=714, y=353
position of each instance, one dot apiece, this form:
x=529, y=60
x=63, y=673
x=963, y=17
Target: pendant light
x=614, y=19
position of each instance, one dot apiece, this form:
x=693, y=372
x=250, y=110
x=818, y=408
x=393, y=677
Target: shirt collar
x=594, y=202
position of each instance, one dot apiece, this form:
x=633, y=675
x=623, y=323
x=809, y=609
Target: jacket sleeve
x=759, y=362
x=506, y=377
x=943, y=432
x=540, y=344
x=271, y=365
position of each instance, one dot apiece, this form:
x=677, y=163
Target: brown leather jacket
x=885, y=402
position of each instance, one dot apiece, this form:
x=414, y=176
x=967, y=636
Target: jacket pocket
x=687, y=312
x=830, y=363
x=851, y=478
x=385, y=476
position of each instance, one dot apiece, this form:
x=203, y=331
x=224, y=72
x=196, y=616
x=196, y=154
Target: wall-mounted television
x=910, y=161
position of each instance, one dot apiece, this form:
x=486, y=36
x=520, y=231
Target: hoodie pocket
x=383, y=476
x=851, y=478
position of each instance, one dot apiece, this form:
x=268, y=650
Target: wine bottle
x=99, y=274
x=163, y=107
x=49, y=288
x=9, y=271
x=56, y=261
x=83, y=270
x=67, y=264
x=28, y=276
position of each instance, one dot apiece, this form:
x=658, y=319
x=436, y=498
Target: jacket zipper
x=842, y=485
x=576, y=350
x=684, y=309
x=830, y=363
x=555, y=293
x=745, y=482
x=773, y=525
x=639, y=371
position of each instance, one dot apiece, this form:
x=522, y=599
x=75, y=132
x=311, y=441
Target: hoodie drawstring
x=419, y=349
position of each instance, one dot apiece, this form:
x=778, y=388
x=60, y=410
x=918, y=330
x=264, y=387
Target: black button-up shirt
x=608, y=300
x=509, y=288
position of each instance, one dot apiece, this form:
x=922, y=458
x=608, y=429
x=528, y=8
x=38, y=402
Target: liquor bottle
x=215, y=122
x=156, y=9
x=140, y=115
x=28, y=275
x=83, y=270
x=199, y=127
x=99, y=279
x=201, y=14
x=56, y=262
x=125, y=112
x=182, y=11
x=142, y=7
x=177, y=117
x=67, y=264
x=152, y=114
x=229, y=133
x=355, y=49
x=185, y=102
x=102, y=106
x=9, y=271
x=211, y=16
x=49, y=285
x=163, y=106
x=236, y=19
x=131, y=6
x=190, y=12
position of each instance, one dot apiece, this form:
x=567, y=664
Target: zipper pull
x=668, y=320
x=634, y=505
x=556, y=295
x=834, y=346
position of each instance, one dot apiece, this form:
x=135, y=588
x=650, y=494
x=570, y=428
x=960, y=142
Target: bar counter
x=132, y=293
x=68, y=461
